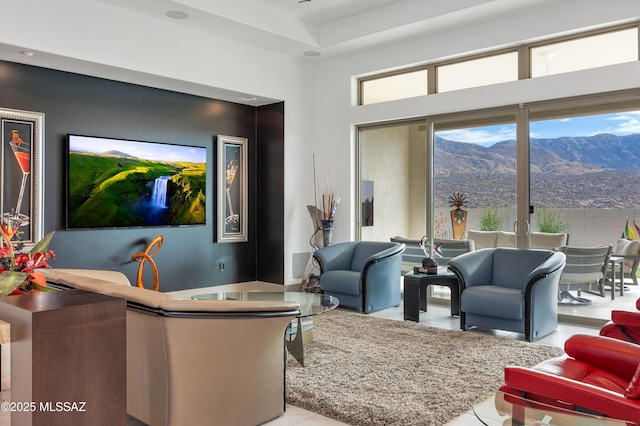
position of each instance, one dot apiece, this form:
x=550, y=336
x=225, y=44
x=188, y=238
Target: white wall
x=94, y=38
x=338, y=115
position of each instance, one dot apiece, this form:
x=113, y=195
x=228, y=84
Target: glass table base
x=502, y=409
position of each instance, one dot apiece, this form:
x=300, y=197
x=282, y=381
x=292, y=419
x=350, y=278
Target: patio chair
x=585, y=267
x=413, y=253
x=450, y=249
x=630, y=251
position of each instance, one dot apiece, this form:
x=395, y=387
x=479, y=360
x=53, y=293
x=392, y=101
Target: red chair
x=597, y=374
x=624, y=326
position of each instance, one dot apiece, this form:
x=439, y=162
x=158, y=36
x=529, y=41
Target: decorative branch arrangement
x=329, y=206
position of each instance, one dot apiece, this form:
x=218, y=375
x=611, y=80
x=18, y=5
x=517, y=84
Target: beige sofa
x=537, y=240
x=196, y=362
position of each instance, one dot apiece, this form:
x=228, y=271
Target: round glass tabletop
x=310, y=303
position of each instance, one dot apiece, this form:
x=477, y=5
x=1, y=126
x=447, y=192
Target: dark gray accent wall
x=270, y=174
x=189, y=257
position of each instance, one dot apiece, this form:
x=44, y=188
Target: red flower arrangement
x=17, y=275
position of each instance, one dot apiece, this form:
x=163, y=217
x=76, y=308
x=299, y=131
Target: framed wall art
x=232, y=189
x=21, y=165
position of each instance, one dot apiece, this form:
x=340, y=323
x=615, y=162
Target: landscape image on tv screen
x=113, y=183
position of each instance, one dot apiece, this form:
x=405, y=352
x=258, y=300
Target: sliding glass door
x=569, y=166
x=468, y=165
x=475, y=174
x=585, y=174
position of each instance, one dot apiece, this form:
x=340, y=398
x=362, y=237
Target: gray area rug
x=365, y=370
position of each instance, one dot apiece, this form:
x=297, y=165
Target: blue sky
x=143, y=150
x=623, y=123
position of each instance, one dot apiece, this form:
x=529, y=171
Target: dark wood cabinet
x=68, y=358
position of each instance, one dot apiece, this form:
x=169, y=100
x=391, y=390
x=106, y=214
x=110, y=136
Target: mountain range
x=565, y=155
x=601, y=171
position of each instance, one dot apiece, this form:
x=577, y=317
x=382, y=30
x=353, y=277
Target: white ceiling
x=329, y=27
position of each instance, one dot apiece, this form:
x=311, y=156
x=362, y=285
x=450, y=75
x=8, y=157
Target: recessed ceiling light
x=311, y=53
x=250, y=98
x=27, y=53
x=177, y=14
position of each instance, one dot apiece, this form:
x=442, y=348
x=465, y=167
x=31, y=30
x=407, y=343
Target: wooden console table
x=68, y=358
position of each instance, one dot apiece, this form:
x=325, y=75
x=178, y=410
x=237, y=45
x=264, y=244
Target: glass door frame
x=522, y=227
x=509, y=114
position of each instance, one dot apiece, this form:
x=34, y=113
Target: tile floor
x=437, y=316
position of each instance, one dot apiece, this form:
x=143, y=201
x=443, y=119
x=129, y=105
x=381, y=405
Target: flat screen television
x=116, y=183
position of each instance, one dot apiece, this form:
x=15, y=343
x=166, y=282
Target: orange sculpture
x=147, y=256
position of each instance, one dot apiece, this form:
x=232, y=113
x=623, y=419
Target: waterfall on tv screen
x=159, y=195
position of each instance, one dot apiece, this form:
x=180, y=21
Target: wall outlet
x=221, y=266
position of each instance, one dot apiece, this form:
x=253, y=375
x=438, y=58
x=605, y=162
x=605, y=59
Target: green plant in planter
x=491, y=219
x=549, y=220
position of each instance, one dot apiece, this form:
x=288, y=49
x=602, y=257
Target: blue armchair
x=509, y=289
x=363, y=275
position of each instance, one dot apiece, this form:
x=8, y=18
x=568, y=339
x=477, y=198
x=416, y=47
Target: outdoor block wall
x=587, y=227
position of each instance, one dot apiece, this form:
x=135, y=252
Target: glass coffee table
x=310, y=304
x=501, y=409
